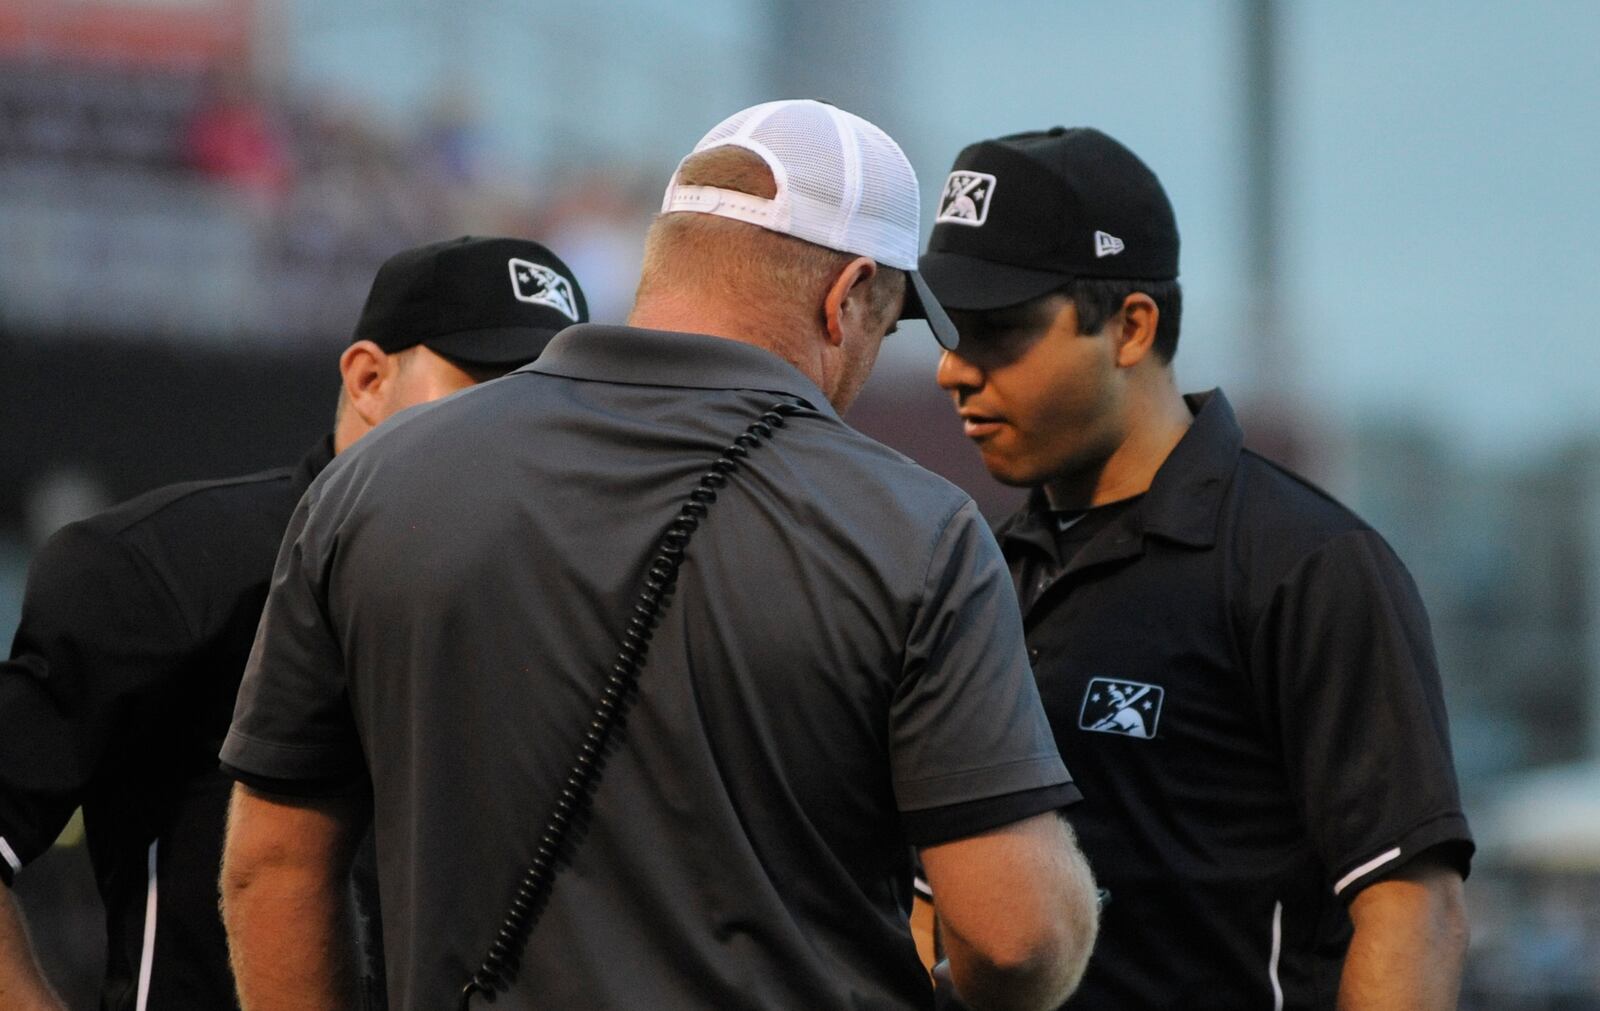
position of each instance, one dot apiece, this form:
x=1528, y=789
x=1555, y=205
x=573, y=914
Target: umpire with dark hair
x=1239, y=671
x=136, y=625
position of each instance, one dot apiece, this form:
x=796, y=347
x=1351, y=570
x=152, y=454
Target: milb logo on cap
x=965, y=200
x=536, y=283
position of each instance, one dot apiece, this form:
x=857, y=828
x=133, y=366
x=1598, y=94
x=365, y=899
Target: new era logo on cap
x=1106, y=245
x=965, y=200
x=533, y=282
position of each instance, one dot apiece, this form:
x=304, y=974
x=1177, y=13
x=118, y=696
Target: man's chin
x=1009, y=474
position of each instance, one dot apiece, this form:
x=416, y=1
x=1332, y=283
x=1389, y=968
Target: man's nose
x=956, y=373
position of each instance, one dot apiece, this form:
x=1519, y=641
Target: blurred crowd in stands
x=209, y=207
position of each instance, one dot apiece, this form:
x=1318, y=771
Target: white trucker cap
x=843, y=184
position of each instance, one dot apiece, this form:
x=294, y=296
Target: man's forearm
x=22, y=983
x=1019, y=924
x=291, y=940
x=286, y=903
x=1410, y=942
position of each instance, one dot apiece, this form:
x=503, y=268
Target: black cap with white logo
x=1023, y=215
x=481, y=301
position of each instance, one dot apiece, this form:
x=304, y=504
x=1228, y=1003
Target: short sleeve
x=292, y=724
x=1344, y=660
x=98, y=634
x=966, y=724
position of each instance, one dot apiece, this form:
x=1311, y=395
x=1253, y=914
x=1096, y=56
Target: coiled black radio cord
x=500, y=966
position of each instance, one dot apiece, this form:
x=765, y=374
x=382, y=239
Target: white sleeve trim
x=147, y=956
x=10, y=855
x=1388, y=856
x=1272, y=960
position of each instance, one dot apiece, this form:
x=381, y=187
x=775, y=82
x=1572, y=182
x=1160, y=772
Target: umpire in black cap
x=1239, y=669
x=136, y=625
x=444, y=316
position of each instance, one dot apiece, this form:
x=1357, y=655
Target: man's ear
x=1135, y=328
x=848, y=302
x=367, y=372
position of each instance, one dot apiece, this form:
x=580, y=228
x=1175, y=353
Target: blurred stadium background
x=1389, y=216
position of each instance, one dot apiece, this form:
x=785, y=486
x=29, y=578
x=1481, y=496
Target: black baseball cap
x=1022, y=215
x=481, y=301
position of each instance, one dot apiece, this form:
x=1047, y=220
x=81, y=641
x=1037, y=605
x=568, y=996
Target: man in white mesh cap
x=646, y=668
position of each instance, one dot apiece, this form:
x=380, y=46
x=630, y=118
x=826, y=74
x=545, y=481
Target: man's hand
x=1410, y=941
x=22, y=983
x=923, y=932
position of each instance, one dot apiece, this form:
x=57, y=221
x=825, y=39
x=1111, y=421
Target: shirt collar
x=1032, y=525
x=1186, y=495
x=622, y=354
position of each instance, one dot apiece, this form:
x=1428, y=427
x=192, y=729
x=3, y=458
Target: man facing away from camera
x=1239, y=670
x=824, y=663
x=136, y=625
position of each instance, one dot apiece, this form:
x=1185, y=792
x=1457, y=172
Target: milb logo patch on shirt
x=1119, y=706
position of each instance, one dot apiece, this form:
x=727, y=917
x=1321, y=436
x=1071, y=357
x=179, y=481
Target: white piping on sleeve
x=1366, y=868
x=1277, y=950
x=147, y=957
x=10, y=855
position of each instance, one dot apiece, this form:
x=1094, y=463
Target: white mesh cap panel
x=842, y=182
x=806, y=141
x=887, y=215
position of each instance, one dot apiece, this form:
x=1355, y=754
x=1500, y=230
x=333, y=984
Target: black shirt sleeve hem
x=332, y=786
x=1446, y=837
x=934, y=825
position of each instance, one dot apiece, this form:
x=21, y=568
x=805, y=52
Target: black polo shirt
x=841, y=671
x=136, y=624
x=1241, y=674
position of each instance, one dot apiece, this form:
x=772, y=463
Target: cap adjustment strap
x=725, y=203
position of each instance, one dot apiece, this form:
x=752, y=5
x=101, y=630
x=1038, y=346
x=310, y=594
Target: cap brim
x=510, y=346
x=921, y=304
x=968, y=283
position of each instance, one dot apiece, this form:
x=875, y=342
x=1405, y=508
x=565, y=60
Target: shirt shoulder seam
x=195, y=489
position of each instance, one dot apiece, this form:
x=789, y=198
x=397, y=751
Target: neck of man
x=1155, y=420
x=698, y=312
x=350, y=428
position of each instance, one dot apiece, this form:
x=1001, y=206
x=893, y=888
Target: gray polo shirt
x=841, y=671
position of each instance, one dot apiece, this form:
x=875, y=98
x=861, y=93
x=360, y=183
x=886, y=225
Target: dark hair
x=1097, y=299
